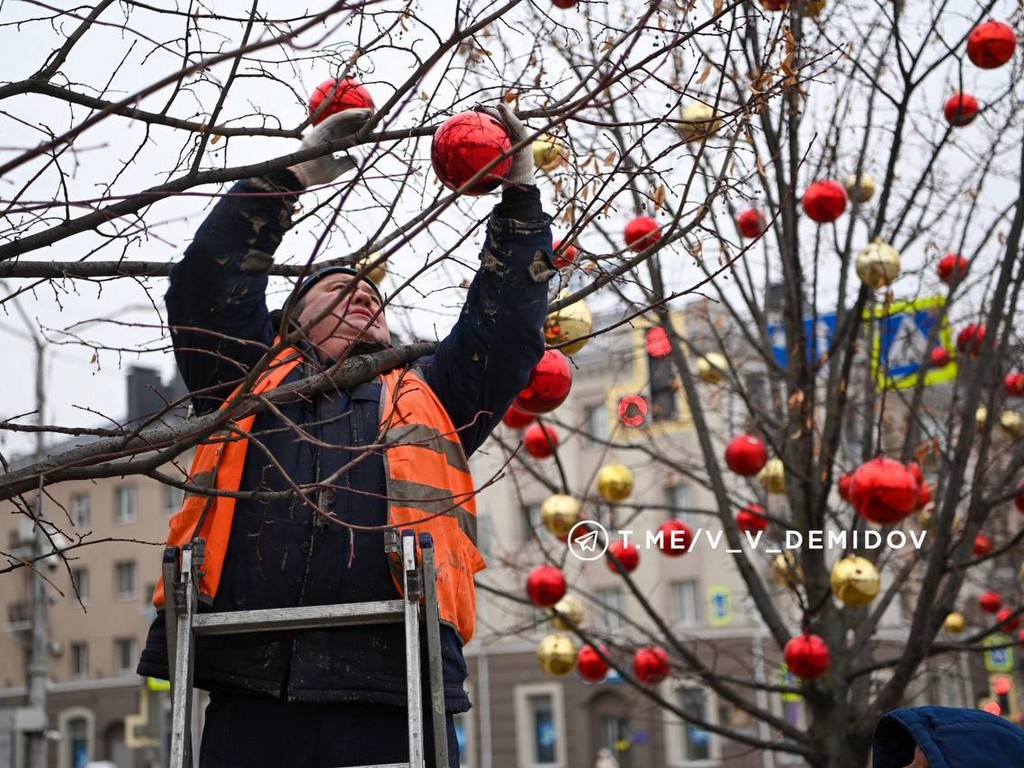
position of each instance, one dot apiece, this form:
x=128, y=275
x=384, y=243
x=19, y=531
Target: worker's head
x=349, y=308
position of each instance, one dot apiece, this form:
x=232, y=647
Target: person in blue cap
x=946, y=737
x=321, y=477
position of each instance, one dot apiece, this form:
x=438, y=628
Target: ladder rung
x=302, y=617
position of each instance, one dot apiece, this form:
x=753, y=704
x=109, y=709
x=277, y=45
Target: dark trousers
x=247, y=731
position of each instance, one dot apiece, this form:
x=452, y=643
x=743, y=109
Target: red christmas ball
x=641, y=233
x=627, y=553
x=650, y=665
x=991, y=44
x=775, y=5
x=940, y=357
x=983, y=545
x=1014, y=384
x=1006, y=623
x=883, y=491
x=590, y=665
x=971, y=338
x=549, y=384
x=751, y=519
x=565, y=254
x=516, y=418
x=466, y=144
x=545, y=585
x=746, y=454
x=675, y=538
x=751, y=223
x=565, y=4
x=915, y=469
x=990, y=602
x=924, y=495
x=1018, y=500
x=961, y=109
x=824, y=201
x=658, y=343
x=952, y=268
x=540, y=440
x=844, y=485
x=807, y=656
x=633, y=410
x=346, y=94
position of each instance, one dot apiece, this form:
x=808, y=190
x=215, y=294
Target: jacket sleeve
x=216, y=302
x=487, y=358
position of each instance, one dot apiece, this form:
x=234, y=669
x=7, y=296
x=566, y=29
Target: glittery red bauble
x=545, y=585
x=466, y=144
x=675, y=538
x=565, y=254
x=751, y=519
x=961, y=109
x=651, y=665
x=549, y=384
x=1014, y=384
x=983, y=545
x=628, y=554
x=746, y=454
x=990, y=602
x=883, y=491
x=991, y=44
x=751, y=223
x=590, y=665
x=952, y=268
x=658, y=343
x=1008, y=624
x=540, y=440
x=632, y=410
x=844, y=485
x=642, y=232
x=824, y=201
x=807, y=656
x=971, y=338
x=516, y=418
x=940, y=357
x=348, y=94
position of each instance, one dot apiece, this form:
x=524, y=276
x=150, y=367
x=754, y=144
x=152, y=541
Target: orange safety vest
x=429, y=488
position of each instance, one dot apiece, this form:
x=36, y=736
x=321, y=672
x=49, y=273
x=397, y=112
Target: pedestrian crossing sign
x=903, y=336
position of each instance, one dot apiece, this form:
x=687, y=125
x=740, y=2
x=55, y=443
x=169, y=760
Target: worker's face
x=920, y=761
x=351, y=313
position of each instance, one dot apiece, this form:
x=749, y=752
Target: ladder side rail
x=412, y=648
x=435, y=664
x=171, y=572
x=184, y=658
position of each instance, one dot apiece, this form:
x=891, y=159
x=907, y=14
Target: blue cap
x=319, y=274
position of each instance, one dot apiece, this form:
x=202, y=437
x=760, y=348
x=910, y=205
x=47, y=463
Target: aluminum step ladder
x=181, y=567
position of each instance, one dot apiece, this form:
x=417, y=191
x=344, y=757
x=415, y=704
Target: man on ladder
x=306, y=524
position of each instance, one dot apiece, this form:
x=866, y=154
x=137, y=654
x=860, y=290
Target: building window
x=664, y=399
x=540, y=725
x=686, y=602
x=173, y=498
x=125, y=586
x=532, y=525
x=679, y=501
x=80, y=581
x=596, y=422
x=616, y=738
x=81, y=512
x=610, y=600
x=694, y=741
x=124, y=654
x=125, y=504
x=79, y=659
x=76, y=742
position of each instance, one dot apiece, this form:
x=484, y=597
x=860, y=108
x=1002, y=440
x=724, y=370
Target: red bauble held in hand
x=466, y=144
x=347, y=94
x=549, y=384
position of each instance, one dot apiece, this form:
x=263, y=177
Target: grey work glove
x=521, y=172
x=327, y=167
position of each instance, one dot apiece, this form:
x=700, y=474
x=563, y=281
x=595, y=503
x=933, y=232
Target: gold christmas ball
x=567, y=323
x=376, y=273
x=571, y=610
x=786, y=571
x=700, y=121
x=711, y=368
x=855, y=581
x=980, y=417
x=549, y=153
x=773, y=476
x=1010, y=423
x=557, y=654
x=615, y=482
x=954, y=623
x=559, y=513
x=878, y=265
x=812, y=8
x=861, y=191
